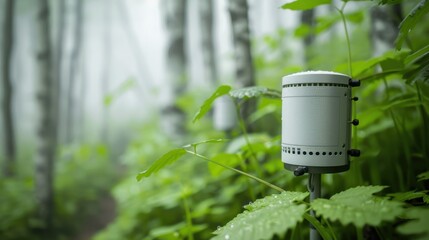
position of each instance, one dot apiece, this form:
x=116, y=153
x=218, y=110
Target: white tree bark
x=45, y=147
x=244, y=72
x=207, y=40
x=73, y=68
x=175, y=21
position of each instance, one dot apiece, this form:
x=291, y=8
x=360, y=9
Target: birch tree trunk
x=207, y=40
x=73, y=68
x=8, y=125
x=45, y=147
x=175, y=21
x=105, y=80
x=58, y=73
x=244, y=72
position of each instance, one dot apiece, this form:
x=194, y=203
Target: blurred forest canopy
x=96, y=93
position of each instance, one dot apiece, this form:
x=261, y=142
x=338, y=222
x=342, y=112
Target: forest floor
x=96, y=223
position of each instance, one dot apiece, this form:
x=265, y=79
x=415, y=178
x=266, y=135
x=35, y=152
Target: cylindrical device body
x=316, y=121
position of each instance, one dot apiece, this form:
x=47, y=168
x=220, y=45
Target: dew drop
x=218, y=227
x=232, y=225
x=275, y=196
x=227, y=237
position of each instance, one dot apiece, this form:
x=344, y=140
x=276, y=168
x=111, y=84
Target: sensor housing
x=316, y=122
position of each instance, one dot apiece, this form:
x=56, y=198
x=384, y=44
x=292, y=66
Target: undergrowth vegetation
x=205, y=184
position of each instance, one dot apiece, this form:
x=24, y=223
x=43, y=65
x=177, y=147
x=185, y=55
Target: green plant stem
x=359, y=233
x=188, y=219
x=238, y=171
x=349, y=51
x=425, y=122
x=319, y=227
x=253, y=159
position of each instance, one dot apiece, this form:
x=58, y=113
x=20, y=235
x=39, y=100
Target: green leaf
x=120, y=90
x=228, y=159
x=417, y=55
x=423, y=176
x=255, y=91
x=410, y=21
x=406, y=196
x=358, y=207
x=266, y=217
x=219, y=140
x=220, y=91
x=419, y=224
x=161, y=162
x=304, y=4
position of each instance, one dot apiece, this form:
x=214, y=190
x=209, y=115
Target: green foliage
x=423, y=176
x=411, y=20
x=192, y=199
x=220, y=91
x=305, y=4
x=17, y=209
x=266, y=217
x=120, y=90
x=166, y=159
x=358, y=206
x=256, y=91
x=418, y=223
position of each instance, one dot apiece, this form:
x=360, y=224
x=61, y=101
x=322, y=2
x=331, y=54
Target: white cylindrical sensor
x=316, y=122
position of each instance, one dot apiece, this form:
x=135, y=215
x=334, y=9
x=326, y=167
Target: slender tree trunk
x=385, y=22
x=307, y=17
x=58, y=73
x=105, y=81
x=136, y=51
x=45, y=148
x=208, y=43
x=175, y=20
x=9, y=134
x=74, y=60
x=244, y=72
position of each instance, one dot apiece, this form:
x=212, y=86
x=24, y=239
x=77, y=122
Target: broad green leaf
x=228, y=159
x=260, y=113
x=326, y=22
x=305, y=4
x=266, y=217
x=410, y=21
x=417, y=55
x=418, y=224
x=423, y=176
x=220, y=91
x=358, y=207
x=161, y=162
x=255, y=91
x=406, y=196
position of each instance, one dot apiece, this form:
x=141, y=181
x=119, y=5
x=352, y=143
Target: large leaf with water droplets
x=358, y=206
x=161, y=162
x=220, y=91
x=255, y=91
x=266, y=217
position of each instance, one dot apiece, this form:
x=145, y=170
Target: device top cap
x=316, y=77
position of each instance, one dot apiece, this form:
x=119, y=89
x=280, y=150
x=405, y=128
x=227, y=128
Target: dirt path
x=94, y=224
